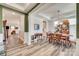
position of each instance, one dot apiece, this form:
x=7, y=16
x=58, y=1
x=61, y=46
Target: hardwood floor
x=42, y=48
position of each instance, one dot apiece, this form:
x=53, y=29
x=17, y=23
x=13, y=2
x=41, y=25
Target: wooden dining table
x=60, y=38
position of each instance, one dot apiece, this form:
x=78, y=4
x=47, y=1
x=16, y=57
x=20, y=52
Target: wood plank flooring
x=42, y=48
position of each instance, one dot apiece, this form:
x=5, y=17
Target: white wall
x=51, y=26
x=73, y=32
x=72, y=28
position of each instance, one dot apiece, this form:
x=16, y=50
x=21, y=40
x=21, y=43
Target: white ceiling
x=49, y=10
x=22, y=7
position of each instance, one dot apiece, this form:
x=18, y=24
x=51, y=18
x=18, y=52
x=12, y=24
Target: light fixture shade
x=66, y=22
x=55, y=23
x=60, y=22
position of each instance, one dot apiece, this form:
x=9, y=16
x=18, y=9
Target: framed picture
x=36, y=26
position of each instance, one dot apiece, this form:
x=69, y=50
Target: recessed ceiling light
x=13, y=13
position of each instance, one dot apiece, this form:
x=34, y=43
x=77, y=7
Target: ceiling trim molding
x=20, y=11
x=33, y=8
x=13, y=9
